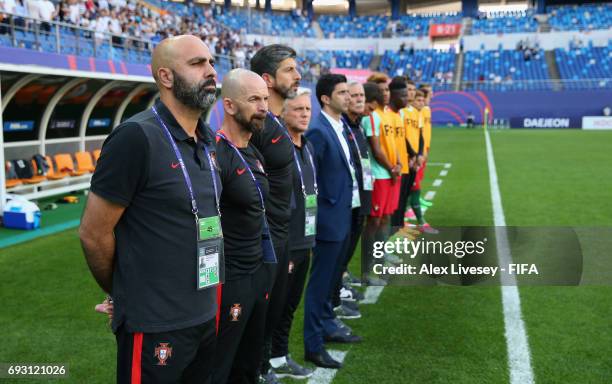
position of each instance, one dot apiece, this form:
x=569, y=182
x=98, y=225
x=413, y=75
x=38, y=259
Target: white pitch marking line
x=445, y=165
x=437, y=182
x=444, y=172
x=326, y=375
x=448, y=165
x=519, y=356
x=371, y=294
x=430, y=195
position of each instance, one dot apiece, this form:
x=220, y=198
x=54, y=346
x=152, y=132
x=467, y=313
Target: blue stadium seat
x=505, y=22
x=583, y=17
x=586, y=67
x=505, y=70
x=424, y=66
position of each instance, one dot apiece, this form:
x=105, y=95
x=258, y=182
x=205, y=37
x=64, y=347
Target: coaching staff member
x=244, y=296
x=139, y=231
x=296, y=115
x=338, y=193
x=277, y=65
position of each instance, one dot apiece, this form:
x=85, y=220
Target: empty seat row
x=41, y=168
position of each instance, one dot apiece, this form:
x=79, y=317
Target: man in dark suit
x=338, y=194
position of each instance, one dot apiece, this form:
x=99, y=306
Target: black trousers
x=397, y=219
x=181, y=356
x=278, y=296
x=242, y=319
x=356, y=229
x=299, y=262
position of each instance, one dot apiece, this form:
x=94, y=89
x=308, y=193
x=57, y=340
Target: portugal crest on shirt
x=163, y=352
x=235, y=312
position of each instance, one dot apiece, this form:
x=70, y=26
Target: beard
x=195, y=96
x=252, y=125
x=287, y=92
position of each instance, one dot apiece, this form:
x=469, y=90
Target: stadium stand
x=505, y=70
x=418, y=25
x=583, y=18
x=429, y=66
x=360, y=26
x=340, y=58
x=588, y=63
x=504, y=22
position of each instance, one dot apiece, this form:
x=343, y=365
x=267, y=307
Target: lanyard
x=296, y=158
x=314, y=169
x=246, y=165
x=194, y=205
x=354, y=139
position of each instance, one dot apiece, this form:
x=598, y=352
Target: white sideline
x=437, y=182
x=519, y=356
x=444, y=172
x=430, y=195
x=326, y=375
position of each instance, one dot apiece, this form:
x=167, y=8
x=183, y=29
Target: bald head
x=245, y=99
x=183, y=68
x=237, y=81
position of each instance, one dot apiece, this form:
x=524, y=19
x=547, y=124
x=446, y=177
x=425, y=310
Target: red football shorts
x=419, y=176
x=385, y=197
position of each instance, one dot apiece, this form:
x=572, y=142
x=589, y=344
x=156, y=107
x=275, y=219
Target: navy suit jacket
x=334, y=181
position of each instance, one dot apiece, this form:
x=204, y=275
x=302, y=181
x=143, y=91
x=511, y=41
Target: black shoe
x=322, y=359
x=356, y=294
x=342, y=337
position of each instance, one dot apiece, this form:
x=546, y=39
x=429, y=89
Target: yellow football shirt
x=400, y=138
x=426, y=115
x=412, y=126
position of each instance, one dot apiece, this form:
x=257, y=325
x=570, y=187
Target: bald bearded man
x=154, y=195
x=245, y=294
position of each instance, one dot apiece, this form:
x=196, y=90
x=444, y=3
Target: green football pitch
x=436, y=334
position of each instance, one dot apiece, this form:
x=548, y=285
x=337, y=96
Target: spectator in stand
x=47, y=12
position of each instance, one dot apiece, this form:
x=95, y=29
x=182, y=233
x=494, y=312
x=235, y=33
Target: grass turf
x=563, y=178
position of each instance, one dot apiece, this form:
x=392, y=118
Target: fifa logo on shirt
x=163, y=353
x=235, y=312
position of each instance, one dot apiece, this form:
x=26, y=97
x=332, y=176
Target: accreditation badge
x=211, y=262
x=310, y=224
x=368, y=179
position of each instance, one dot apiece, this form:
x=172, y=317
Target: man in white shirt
x=47, y=13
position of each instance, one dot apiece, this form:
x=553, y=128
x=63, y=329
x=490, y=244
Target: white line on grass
x=444, y=172
x=430, y=195
x=326, y=375
x=448, y=165
x=371, y=294
x=437, y=182
x=445, y=165
x=519, y=359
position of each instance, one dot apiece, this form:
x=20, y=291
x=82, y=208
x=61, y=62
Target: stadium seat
x=36, y=178
x=66, y=165
x=11, y=181
x=96, y=155
x=84, y=162
x=52, y=174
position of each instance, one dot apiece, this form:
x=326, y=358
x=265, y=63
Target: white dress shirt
x=338, y=127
